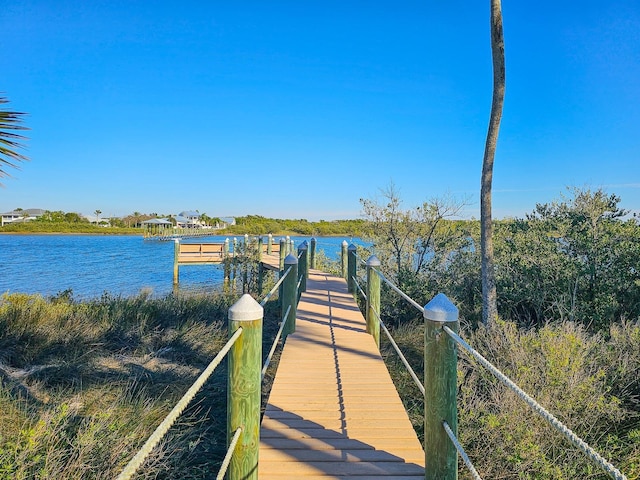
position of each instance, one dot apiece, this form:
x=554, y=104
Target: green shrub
x=590, y=382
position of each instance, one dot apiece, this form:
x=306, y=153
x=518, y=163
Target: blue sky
x=299, y=109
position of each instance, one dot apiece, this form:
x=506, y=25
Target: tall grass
x=591, y=382
x=82, y=385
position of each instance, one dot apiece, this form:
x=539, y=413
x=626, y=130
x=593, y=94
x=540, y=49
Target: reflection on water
x=90, y=265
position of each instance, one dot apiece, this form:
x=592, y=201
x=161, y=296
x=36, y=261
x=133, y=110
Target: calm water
x=90, y=265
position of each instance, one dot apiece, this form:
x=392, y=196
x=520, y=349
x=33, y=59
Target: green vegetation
x=591, y=382
x=257, y=225
x=82, y=385
x=573, y=259
x=568, y=282
x=10, y=122
x=70, y=222
x=37, y=226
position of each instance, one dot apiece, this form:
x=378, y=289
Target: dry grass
x=590, y=382
x=82, y=385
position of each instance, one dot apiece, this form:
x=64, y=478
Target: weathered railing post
x=176, y=266
x=289, y=245
x=244, y=387
x=235, y=263
x=440, y=381
x=226, y=258
x=290, y=294
x=260, y=243
x=303, y=271
x=283, y=253
x=270, y=244
x=260, y=266
x=373, y=298
x=245, y=266
x=312, y=254
x=344, y=256
x=351, y=268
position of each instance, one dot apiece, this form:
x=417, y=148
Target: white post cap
x=245, y=309
x=440, y=309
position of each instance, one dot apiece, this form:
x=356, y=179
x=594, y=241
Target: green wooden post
x=235, y=263
x=226, y=262
x=260, y=266
x=260, y=243
x=312, y=254
x=176, y=266
x=373, y=298
x=303, y=271
x=290, y=294
x=270, y=244
x=441, y=385
x=283, y=253
x=344, y=257
x=351, y=268
x=244, y=386
x=289, y=250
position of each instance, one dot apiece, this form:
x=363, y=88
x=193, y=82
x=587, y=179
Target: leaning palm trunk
x=489, y=297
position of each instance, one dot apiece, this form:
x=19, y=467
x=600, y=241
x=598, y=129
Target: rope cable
x=355, y=280
x=400, y=292
x=463, y=454
x=229, y=454
x=400, y=354
x=607, y=467
x=163, y=428
x=275, y=343
x=364, y=262
x=275, y=287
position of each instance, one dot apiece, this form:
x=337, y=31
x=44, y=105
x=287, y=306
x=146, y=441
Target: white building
x=21, y=215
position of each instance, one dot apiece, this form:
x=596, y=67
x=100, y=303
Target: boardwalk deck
x=333, y=411
x=272, y=262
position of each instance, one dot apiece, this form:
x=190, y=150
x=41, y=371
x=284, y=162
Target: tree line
x=576, y=258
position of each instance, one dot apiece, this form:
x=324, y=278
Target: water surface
x=90, y=265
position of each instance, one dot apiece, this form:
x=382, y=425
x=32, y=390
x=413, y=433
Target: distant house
x=189, y=219
x=21, y=215
x=158, y=221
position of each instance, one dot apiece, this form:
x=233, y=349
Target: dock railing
x=246, y=371
x=441, y=343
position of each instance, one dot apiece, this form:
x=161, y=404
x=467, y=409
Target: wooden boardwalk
x=333, y=411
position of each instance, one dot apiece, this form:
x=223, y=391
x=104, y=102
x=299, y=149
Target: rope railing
x=400, y=292
x=227, y=458
x=536, y=407
x=275, y=287
x=357, y=284
x=360, y=259
x=241, y=309
x=461, y=452
x=415, y=378
x=172, y=416
x=438, y=312
x=275, y=343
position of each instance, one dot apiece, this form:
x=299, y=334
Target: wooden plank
x=333, y=411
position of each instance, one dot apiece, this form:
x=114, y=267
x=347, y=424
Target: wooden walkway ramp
x=333, y=411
